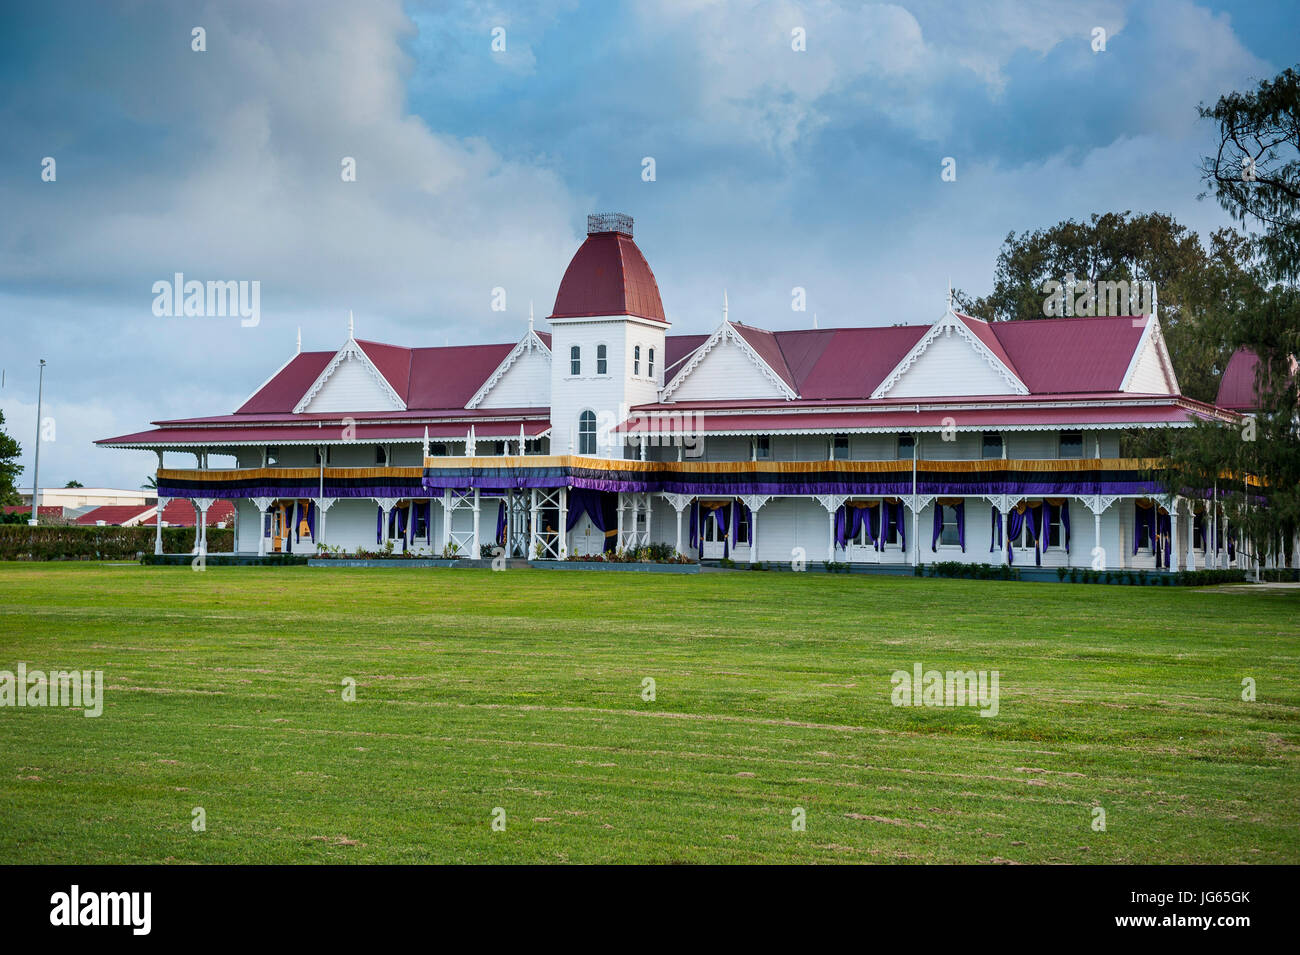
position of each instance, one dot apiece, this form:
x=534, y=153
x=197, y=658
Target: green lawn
x=522, y=690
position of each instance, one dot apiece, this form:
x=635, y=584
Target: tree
x=150, y=483
x=1200, y=291
x=10, y=451
x=74, y=484
x=1255, y=175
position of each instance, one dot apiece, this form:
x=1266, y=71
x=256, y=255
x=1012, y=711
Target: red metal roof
x=1055, y=355
x=608, y=275
x=767, y=347
x=289, y=384
x=114, y=515
x=984, y=332
x=287, y=433
x=1237, y=386
x=897, y=419
x=45, y=510
x=848, y=362
x=677, y=348
x=181, y=513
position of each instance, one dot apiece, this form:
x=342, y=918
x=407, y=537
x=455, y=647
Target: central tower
x=607, y=339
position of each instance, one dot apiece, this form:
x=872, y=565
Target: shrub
x=71, y=542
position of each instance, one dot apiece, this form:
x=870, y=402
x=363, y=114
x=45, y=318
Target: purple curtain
x=695, y=524
x=938, y=527
x=722, y=517
x=501, y=524
x=379, y=525
x=892, y=518
x=840, y=529
x=1015, y=524
x=1038, y=530
x=868, y=513
x=995, y=532
x=311, y=523
x=961, y=525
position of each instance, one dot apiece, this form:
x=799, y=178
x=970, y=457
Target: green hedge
x=53, y=542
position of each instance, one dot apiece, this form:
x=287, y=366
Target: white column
x=563, y=522
x=830, y=534
x=474, y=547
x=157, y=534
x=648, y=499
x=198, y=525
x=618, y=539
x=679, y=530
x=532, y=525
x=1096, y=525
x=446, y=520
x=753, y=534
x=1175, y=559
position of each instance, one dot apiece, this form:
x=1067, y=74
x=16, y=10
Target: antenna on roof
x=814, y=319
x=349, y=324
x=299, y=339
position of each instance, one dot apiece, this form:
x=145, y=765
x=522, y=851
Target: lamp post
x=36, y=467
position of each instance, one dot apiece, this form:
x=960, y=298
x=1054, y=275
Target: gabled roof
x=1062, y=355
x=179, y=512
x=284, y=388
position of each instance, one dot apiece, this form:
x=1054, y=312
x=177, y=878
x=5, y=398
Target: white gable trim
x=947, y=325
x=726, y=332
x=530, y=342
x=350, y=351
x=1152, y=335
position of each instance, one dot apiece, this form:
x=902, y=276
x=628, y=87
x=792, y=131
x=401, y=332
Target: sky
x=775, y=168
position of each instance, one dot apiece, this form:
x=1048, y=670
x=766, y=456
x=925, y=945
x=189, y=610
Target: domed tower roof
x=608, y=275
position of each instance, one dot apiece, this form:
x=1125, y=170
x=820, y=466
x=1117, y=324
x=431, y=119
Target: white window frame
x=602, y=359
x=575, y=361
x=583, y=434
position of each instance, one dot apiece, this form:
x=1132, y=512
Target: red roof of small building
x=180, y=512
x=608, y=275
x=115, y=515
x=45, y=510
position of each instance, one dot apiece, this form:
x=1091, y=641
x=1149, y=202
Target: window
x=992, y=444
x=272, y=457
x=496, y=447
x=380, y=456
x=840, y=447
x=587, y=433
x=949, y=534
x=438, y=448
x=1053, y=525
x=906, y=444
x=762, y=448
x=636, y=360
x=575, y=360
x=650, y=363
x=602, y=363
x=742, y=526
x=1071, y=444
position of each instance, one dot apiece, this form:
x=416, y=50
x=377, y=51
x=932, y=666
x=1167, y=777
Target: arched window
x=650, y=363
x=602, y=366
x=575, y=360
x=587, y=433
x=636, y=360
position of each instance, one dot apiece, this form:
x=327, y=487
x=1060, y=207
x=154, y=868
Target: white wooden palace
x=948, y=440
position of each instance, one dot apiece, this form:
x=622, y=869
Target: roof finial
x=299, y=339
x=530, y=314
x=814, y=319
x=950, y=293
x=349, y=324
x=724, y=304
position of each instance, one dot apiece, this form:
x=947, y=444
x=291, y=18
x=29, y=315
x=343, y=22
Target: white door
x=858, y=550
x=586, y=539
x=711, y=538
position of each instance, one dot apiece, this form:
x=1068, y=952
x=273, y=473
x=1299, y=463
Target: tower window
x=650, y=363
x=906, y=444
x=762, y=448
x=602, y=365
x=575, y=360
x=587, y=433
x=636, y=360
x=992, y=444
